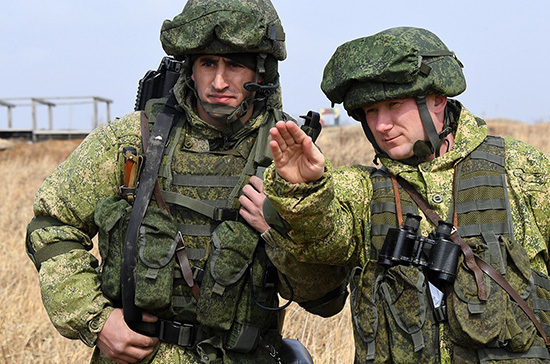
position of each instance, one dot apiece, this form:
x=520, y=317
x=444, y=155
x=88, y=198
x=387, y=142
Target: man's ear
x=438, y=103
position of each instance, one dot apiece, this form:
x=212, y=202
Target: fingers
x=257, y=183
x=287, y=134
x=147, y=317
x=251, y=202
x=118, y=343
x=312, y=153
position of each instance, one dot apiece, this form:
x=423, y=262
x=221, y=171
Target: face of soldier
x=396, y=124
x=219, y=80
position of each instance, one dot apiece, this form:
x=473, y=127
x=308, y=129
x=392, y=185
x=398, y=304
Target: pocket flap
x=157, y=238
x=232, y=251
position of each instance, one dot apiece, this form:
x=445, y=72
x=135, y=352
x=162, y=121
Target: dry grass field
x=26, y=334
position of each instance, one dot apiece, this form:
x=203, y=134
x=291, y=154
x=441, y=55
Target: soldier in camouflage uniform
x=408, y=306
x=217, y=303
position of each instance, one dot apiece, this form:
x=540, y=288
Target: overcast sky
x=102, y=48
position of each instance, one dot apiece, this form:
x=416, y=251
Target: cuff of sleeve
x=89, y=335
x=268, y=237
x=282, y=187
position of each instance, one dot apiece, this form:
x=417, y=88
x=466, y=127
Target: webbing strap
x=203, y=208
x=378, y=208
x=53, y=250
x=491, y=181
x=487, y=354
x=481, y=205
x=196, y=230
x=50, y=250
x=190, y=203
x=477, y=229
x=204, y=181
x=498, y=159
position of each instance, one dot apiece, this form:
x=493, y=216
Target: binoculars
x=437, y=253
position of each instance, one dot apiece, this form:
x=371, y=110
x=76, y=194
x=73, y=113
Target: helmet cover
x=224, y=26
x=396, y=63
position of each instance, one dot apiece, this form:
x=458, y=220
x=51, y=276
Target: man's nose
x=383, y=121
x=220, y=82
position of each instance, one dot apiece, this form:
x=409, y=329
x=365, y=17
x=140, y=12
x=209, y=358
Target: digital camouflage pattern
x=331, y=218
x=230, y=26
x=393, y=64
x=70, y=284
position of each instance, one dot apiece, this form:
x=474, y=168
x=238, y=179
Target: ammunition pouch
x=156, y=247
x=499, y=322
x=393, y=318
x=226, y=303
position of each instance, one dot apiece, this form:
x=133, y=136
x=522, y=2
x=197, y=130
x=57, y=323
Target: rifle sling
x=478, y=263
x=153, y=156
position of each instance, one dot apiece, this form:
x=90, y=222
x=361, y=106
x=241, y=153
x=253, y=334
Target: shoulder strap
x=434, y=218
x=155, y=149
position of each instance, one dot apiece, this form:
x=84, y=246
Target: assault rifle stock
x=156, y=84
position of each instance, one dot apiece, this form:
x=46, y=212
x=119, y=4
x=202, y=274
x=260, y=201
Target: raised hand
x=296, y=158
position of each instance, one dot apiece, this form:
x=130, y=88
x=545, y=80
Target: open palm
x=296, y=158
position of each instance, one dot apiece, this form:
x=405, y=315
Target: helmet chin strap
x=228, y=113
x=429, y=126
x=424, y=149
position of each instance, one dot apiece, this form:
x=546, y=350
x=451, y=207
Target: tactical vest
x=392, y=308
x=238, y=282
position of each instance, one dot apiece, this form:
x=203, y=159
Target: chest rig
x=397, y=310
x=225, y=255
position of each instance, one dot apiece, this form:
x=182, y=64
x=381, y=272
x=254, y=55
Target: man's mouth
x=220, y=99
x=389, y=140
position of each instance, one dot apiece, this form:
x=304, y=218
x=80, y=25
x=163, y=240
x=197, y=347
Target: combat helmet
x=396, y=63
x=248, y=31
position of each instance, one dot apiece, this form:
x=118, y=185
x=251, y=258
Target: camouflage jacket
x=330, y=219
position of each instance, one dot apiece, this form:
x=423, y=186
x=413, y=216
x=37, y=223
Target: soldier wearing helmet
x=433, y=236
x=172, y=192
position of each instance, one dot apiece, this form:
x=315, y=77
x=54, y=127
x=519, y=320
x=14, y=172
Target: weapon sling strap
x=479, y=263
x=181, y=253
x=148, y=180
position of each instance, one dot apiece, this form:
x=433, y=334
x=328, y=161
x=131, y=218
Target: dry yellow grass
x=26, y=334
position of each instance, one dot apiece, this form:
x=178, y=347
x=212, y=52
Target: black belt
x=173, y=332
x=178, y=333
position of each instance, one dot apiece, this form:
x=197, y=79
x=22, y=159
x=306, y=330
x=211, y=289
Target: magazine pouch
x=232, y=253
x=111, y=217
x=156, y=259
x=499, y=321
x=410, y=325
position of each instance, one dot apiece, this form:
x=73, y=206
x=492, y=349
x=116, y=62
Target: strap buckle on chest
x=178, y=333
x=223, y=214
